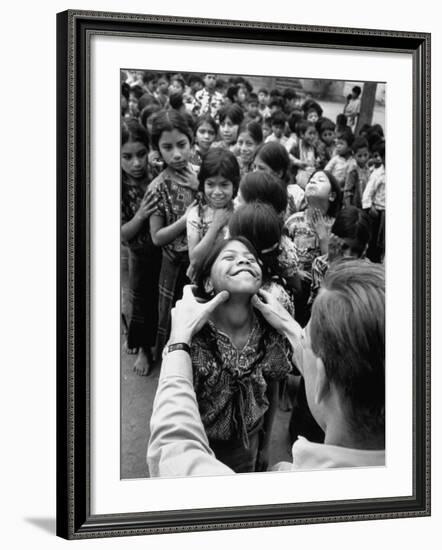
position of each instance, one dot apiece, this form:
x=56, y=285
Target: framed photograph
x=328, y=101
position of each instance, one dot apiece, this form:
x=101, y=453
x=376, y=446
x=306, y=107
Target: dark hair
x=359, y=143
x=379, y=147
x=260, y=224
x=278, y=119
x=303, y=126
x=378, y=128
x=347, y=330
x=341, y=120
x=276, y=157
x=176, y=100
x=311, y=105
x=136, y=90
x=253, y=98
x=296, y=116
x=148, y=111
x=203, y=119
x=167, y=121
x=334, y=206
x=195, y=78
x=346, y=135
x=364, y=129
x=357, y=90
x=289, y=93
x=275, y=93
x=254, y=129
x=325, y=124
x=353, y=224
x=146, y=100
x=149, y=77
x=277, y=102
x=219, y=162
x=204, y=272
x=263, y=91
x=232, y=91
x=180, y=79
x=132, y=131
x=125, y=89
x=264, y=187
x=234, y=112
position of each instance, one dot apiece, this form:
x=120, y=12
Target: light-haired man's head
x=347, y=335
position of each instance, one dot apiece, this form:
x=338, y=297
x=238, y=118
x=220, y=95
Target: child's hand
x=188, y=176
x=154, y=159
x=148, y=205
x=221, y=217
x=319, y=224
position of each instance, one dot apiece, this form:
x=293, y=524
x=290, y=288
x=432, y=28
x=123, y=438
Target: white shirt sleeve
x=178, y=444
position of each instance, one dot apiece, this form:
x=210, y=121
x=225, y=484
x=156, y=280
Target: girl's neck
x=234, y=316
x=321, y=204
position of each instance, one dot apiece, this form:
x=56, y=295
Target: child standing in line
x=175, y=189
x=263, y=103
x=278, y=122
x=218, y=183
x=137, y=205
x=209, y=98
x=353, y=106
x=161, y=93
x=249, y=139
x=357, y=178
x=326, y=143
x=373, y=200
x=343, y=162
x=304, y=155
x=206, y=130
x=230, y=119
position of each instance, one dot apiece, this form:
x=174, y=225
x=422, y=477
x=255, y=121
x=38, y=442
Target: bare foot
x=142, y=364
x=130, y=351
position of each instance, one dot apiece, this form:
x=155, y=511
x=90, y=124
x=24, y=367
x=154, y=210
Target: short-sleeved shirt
x=174, y=197
x=340, y=167
x=303, y=233
x=230, y=384
x=210, y=102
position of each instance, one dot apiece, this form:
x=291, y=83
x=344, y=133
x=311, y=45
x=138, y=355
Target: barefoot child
x=175, y=189
x=137, y=205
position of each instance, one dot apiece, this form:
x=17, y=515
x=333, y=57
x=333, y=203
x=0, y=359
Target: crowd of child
x=207, y=162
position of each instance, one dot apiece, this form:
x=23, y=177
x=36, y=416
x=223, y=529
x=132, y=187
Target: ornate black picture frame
x=74, y=32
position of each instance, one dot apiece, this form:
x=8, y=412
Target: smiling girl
x=249, y=139
x=237, y=359
x=219, y=180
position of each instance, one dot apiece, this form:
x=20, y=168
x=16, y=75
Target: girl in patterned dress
x=175, y=189
x=137, y=205
x=206, y=130
x=218, y=184
x=237, y=359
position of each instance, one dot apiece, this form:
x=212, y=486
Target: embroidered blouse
x=174, y=196
x=230, y=384
x=131, y=197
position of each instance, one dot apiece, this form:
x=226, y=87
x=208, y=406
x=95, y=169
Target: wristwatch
x=179, y=346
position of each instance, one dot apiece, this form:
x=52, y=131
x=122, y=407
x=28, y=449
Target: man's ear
x=322, y=387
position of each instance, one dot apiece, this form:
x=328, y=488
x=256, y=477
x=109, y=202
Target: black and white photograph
x=252, y=270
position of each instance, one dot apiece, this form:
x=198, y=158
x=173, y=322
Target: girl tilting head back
x=237, y=359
